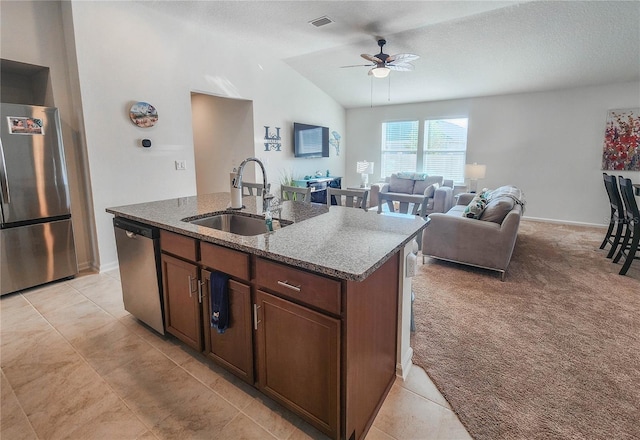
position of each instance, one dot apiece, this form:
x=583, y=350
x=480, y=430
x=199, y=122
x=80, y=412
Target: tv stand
x=319, y=186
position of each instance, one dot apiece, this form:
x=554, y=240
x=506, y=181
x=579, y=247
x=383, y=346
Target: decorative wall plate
x=143, y=114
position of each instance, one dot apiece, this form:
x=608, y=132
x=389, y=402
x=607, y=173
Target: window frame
x=421, y=151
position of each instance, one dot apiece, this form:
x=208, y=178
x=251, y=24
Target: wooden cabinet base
x=234, y=348
x=299, y=360
x=181, y=305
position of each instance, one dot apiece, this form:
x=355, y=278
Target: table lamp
x=473, y=172
x=364, y=168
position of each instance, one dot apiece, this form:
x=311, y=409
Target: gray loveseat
x=432, y=193
x=486, y=241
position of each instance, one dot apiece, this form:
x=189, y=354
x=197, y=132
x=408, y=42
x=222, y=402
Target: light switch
x=181, y=165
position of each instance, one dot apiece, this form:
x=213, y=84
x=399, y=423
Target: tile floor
x=76, y=365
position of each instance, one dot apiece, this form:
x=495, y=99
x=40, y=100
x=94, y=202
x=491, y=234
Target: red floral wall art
x=622, y=141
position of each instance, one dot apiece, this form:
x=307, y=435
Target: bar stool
x=295, y=193
x=631, y=239
x=618, y=217
x=353, y=198
x=248, y=187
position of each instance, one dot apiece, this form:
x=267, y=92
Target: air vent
x=322, y=21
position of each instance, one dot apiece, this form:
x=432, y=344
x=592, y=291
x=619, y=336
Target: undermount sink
x=234, y=223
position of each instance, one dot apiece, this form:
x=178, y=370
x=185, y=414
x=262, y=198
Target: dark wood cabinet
x=233, y=348
x=298, y=360
x=183, y=317
x=324, y=348
x=186, y=272
x=319, y=187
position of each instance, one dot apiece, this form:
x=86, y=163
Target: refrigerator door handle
x=4, y=182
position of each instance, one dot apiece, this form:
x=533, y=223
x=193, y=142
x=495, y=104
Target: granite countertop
x=341, y=242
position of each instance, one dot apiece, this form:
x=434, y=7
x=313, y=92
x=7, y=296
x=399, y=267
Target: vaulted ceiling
x=466, y=48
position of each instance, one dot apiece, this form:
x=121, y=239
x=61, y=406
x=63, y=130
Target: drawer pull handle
x=256, y=321
x=191, y=291
x=289, y=286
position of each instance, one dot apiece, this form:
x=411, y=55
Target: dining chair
x=403, y=203
x=618, y=218
x=353, y=198
x=629, y=245
x=295, y=193
x=248, y=187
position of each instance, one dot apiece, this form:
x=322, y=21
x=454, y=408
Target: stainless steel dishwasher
x=140, y=273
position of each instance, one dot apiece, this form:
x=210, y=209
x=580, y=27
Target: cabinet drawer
x=220, y=258
x=179, y=245
x=300, y=285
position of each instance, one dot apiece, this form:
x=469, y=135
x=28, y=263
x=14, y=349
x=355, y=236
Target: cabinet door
x=299, y=360
x=234, y=347
x=181, y=302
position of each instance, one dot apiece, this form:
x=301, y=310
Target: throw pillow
x=431, y=190
x=419, y=176
x=475, y=208
x=497, y=209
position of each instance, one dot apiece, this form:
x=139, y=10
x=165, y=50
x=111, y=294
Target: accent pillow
x=398, y=185
x=497, y=209
x=431, y=190
x=475, y=208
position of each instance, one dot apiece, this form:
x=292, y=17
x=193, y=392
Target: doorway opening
x=222, y=138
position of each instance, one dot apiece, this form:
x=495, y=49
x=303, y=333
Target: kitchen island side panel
x=370, y=344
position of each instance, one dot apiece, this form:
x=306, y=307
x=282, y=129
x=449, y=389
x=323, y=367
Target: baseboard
x=402, y=370
x=563, y=222
x=87, y=266
x=107, y=267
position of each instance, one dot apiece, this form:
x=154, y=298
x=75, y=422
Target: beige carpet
x=551, y=353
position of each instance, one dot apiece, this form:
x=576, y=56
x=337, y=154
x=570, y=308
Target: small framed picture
x=22, y=125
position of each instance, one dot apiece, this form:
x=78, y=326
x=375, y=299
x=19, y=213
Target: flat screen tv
x=310, y=140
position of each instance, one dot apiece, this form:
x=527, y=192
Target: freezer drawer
x=138, y=257
x=36, y=254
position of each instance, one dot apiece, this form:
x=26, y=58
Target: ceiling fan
x=383, y=64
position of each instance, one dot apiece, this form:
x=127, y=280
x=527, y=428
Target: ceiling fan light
x=381, y=72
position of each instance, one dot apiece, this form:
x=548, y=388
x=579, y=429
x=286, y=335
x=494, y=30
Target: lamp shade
x=380, y=72
x=364, y=167
x=474, y=171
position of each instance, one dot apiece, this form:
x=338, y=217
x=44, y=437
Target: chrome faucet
x=266, y=195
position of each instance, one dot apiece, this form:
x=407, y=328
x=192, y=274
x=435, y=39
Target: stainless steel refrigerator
x=36, y=234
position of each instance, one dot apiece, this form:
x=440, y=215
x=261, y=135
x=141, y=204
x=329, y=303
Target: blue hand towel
x=219, y=283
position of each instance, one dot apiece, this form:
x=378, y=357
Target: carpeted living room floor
x=553, y=352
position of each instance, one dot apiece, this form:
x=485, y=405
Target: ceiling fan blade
x=401, y=67
x=371, y=58
x=358, y=65
x=402, y=57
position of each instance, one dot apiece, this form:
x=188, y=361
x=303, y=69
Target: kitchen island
x=318, y=307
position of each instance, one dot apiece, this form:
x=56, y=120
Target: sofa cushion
x=497, y=209
x=398, y=185
x=475, y=208
x=421, y=185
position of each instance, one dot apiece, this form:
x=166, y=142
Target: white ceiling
x=467, y=48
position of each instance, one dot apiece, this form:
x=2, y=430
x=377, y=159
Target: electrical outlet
x=181, y=165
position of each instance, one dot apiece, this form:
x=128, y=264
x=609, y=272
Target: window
x=442, y=153
x=445, y=148
x=399, y=147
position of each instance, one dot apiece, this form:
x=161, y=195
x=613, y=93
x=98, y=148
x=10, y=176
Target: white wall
x=33, y=33
x=129, y=52
x=549, y=144
x=222, y=137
